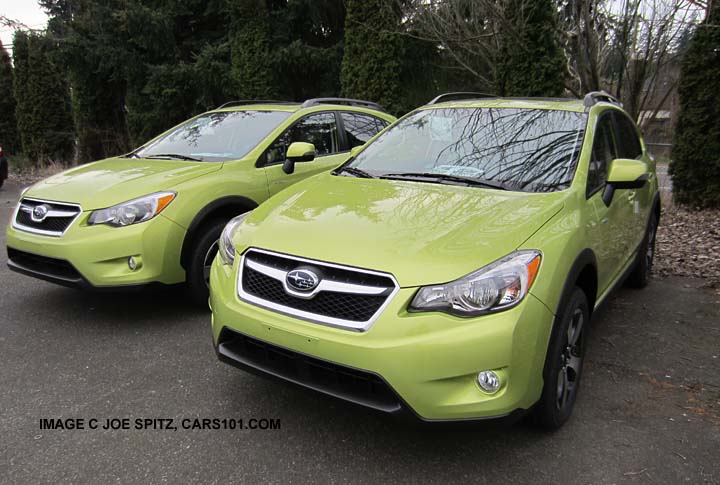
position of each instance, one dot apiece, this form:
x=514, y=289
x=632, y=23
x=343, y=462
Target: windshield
x=518, y=149
x=215, y=137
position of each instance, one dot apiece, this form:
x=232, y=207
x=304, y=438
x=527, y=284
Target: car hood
x=114, y=180
x=421, y=233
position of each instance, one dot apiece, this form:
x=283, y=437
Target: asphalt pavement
x=648, y=410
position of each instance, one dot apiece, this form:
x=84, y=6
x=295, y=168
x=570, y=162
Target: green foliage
x=251, y=50
x=8, y=125
x=531, y=62
x=181, y=63
x=44, y=116
x=92, y=45
x=695, y=166
x=307, y=37
x=373, y=60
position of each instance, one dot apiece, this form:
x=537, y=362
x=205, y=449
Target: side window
x=627, y=138
x=603, y=152
x=319, y=129
x=359, y=128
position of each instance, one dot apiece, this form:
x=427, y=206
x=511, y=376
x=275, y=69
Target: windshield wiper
x=176, y=156
x=356, y=171
x=429, y=176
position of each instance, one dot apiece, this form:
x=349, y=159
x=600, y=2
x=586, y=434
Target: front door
x=321, y=130
x=605, y=224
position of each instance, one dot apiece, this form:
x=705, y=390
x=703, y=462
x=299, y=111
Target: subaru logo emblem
x=40, y=212
x=302, y=280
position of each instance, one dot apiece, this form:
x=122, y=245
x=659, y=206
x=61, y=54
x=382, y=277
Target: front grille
x=43, y=265
x=346, y=306
x=345, y=297
x=354, y=385
x=55, y=222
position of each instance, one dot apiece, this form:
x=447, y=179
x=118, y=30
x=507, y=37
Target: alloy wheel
x=650, y=249
x=571, y=361
x=207, y=261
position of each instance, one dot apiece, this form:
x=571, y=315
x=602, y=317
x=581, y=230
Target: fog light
x=132, y=264
x=488, y=381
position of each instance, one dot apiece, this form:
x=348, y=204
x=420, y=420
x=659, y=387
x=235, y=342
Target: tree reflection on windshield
x=526, y=149
x=218, y=136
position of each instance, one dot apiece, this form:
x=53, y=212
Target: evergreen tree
x=8, y=125
x=20, y=85
x=94, y=51
x=372, y=62
x=44, y=115
x=307, y=38
x=181, y=63
x=250, y=41
x=531, y=62
x=695, y=165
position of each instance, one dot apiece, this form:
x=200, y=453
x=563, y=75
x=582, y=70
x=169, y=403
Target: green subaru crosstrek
x=449, y=270
x=155, y=215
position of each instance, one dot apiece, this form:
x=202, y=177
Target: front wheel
x=564, y=362
x=204, y=250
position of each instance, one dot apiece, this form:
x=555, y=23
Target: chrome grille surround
x=63, y=214
x=327, y=288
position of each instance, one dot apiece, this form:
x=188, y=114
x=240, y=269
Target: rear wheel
x=640, y=275
x=205, y=247
x=563, y=365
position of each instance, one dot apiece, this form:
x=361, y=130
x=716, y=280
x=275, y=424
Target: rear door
x=360, y=127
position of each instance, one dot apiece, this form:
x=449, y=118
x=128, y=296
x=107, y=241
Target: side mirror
x=298, y=151
x=355, y=150
x=624, y=173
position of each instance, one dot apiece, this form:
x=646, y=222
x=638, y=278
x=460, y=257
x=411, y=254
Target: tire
x=203, y=252
x=563, y=364
x=640, y=275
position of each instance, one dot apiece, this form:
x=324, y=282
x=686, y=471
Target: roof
x=563, y=104
x=287, y=107
x=291, y=106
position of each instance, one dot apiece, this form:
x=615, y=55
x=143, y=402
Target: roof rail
x=348, y=101
x=461, y=95
x=252, y=101
x=594, y=97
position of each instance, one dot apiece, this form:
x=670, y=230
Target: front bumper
x=428, y=361
x=97, y=256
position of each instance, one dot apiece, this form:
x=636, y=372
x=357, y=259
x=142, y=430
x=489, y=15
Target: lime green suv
x=155, y=215
x=450, y=268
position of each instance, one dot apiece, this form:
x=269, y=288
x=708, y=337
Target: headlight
x=132, y=211
x=227, y=248
x=497, y=286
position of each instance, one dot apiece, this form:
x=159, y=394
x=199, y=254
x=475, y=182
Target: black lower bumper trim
x=62, y=272
x=53, y=270
x=336, y=380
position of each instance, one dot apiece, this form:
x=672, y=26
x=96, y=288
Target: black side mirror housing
x=288, y=166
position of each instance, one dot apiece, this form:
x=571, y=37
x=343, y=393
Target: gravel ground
x=688, y=245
